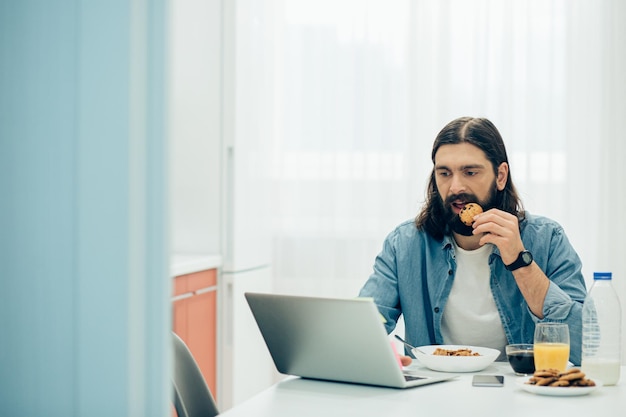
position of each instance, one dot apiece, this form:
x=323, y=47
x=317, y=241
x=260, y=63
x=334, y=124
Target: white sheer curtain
x=361, y=88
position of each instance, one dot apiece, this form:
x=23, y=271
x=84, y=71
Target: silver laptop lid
x=328, y=338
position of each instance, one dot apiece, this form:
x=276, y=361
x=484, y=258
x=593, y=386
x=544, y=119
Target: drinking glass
x=551, y=346
x=521, y=357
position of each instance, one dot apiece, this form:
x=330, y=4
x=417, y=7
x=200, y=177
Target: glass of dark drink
x=521, y=357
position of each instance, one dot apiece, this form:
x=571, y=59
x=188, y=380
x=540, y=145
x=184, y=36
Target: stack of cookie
x=553, y=378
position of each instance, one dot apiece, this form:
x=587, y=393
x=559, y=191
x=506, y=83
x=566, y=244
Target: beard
x=454, y=221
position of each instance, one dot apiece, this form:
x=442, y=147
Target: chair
x=192, y=397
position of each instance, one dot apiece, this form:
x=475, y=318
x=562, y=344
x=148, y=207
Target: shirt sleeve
x=382, y=285
x=567, y=290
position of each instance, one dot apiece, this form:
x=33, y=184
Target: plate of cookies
x=455, y=358
x=572, y=382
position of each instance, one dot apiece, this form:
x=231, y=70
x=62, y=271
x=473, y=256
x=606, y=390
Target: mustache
x=468, y=198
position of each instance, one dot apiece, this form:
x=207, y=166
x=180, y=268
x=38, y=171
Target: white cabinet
x=194, y=99
x=246, y=367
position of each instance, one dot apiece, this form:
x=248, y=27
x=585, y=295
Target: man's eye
x=443, y=173
x=471, y=173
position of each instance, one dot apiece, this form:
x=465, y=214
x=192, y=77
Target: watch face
x=527, y=257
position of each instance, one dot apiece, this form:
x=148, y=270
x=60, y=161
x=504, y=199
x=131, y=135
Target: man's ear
x=503, y=175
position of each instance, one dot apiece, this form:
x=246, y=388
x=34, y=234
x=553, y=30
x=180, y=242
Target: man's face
x=463, y=174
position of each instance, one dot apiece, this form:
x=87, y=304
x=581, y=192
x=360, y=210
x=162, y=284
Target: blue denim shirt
x=413, y=275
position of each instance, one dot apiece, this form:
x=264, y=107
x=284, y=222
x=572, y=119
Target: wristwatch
x=524, y=258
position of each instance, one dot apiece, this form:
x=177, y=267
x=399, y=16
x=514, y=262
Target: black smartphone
x=488, y=380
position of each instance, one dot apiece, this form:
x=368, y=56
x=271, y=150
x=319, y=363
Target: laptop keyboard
x=413, y=378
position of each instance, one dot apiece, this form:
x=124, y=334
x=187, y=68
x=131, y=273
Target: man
x=486, y=284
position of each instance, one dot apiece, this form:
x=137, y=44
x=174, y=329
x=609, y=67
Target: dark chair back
x=192, y=397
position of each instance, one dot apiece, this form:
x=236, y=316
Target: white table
x=303, y=397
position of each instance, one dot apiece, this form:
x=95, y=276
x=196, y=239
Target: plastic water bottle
x=602, y=324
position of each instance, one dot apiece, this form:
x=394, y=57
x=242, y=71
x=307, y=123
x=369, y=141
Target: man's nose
x=457, y=185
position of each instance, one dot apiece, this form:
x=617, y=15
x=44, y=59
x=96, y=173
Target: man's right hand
x=405, y=360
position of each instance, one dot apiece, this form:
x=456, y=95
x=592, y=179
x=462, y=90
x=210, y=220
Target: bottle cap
x=603, y=275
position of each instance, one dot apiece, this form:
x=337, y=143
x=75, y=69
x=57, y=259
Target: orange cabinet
x=195, y=319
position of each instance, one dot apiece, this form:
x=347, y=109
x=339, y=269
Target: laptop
x=331, y=339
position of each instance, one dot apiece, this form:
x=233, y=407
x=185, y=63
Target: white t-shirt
x=470, y=315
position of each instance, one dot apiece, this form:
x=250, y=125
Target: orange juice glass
x=551, y=346
x=551, y=356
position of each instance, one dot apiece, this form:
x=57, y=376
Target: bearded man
x=487, y=284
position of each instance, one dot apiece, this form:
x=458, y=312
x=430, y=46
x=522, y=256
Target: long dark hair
x=482, y=133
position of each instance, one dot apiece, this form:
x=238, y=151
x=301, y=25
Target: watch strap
x=524, y=258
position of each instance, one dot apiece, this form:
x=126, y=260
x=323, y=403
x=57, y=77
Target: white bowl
x=456, y=363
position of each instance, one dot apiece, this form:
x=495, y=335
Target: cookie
x=468, y=212
x=583, y=383
x=546, y=381
x=544, y=373
x=572, y=376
